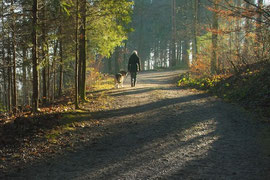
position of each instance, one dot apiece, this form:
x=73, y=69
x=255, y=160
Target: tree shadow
x=125, y=92
x=209, y=140
x=128, y=138
x=146, y=107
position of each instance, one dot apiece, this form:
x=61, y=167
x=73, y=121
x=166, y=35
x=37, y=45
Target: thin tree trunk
x=179, y=52
x=214, y=40
x=44, y=58
x=4, y=78
x=259, y=47
x=76, y=58
x=48, y=74
x=54, y=70
x=82, y=52
x=141, y=36
x=14, y=61
x=5, y=94
x=24, y=76
x=60, y=85
x=29, y=93
x=185, y=54
x=34, y=56
x=247, y=31
x=237, y=36
x=195, y=34
x=9, y=76
x=24, y=70
x=173, y=57
x=259, y=20
x=44, y=85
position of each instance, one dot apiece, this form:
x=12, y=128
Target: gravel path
x=159, y=131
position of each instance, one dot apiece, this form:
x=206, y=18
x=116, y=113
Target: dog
x=119, y=78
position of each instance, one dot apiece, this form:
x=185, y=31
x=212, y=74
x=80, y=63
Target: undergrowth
x=249, y=88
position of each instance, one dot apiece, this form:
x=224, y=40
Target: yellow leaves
x=53, y=141
x=68, y=128
x=16, y=155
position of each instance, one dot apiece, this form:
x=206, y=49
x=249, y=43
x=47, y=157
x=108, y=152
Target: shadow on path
x=188, y=137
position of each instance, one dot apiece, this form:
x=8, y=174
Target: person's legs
x=135, y=78
x=132, y=78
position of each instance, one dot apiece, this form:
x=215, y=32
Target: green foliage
x=251, y=88
x=108, y=29
x=202, y=83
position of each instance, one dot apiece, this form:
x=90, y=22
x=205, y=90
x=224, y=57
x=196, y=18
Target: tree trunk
x=34, y=56
x=214, y=40
x=247, y=29
x=259, y=20
x=76, y=57
x=44, y=58
x=44, y=85
x=48, y=73
x=173, y=57
x=179, y=52
x=14, y=103
x=24, y=83
x=60, y=85
x=238, y=39
x=259, y=47
x=195, y=34
x=185, y=53
x=4, y=59
x=9, y=93
x=82, y=52
x=54, y=70
x=4, y=77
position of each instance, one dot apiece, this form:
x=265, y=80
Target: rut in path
x=159, y=131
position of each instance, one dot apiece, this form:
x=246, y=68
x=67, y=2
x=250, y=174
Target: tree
x=173, y=58
x=195, y=29
x=82, y=51
x=214, y=59
x=34, y=56
x=76, y=56
x=14, y=104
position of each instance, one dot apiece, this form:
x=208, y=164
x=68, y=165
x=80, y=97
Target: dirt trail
x=159, y=131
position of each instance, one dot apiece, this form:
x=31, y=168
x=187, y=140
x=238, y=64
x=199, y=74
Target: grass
x=249, y=88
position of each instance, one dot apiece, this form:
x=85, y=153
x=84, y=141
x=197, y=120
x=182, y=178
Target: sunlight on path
x=167, y=155
x=159, y=131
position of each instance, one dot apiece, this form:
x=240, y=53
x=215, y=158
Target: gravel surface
x=159, y=131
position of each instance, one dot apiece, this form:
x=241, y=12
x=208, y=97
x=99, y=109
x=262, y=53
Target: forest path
x=159, y=131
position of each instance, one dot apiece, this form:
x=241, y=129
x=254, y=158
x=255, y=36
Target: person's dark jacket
x=134, y=64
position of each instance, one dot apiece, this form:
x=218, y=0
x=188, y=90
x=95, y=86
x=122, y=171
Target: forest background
x=50, y=49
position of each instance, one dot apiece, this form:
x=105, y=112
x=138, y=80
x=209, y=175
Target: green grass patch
x=68, y=123
x=103, y=84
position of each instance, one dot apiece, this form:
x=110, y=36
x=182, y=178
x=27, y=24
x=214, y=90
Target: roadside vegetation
x=58, y=128
x=250, y=87
x=232, y=59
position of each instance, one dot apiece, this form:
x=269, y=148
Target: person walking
x=134, y=66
